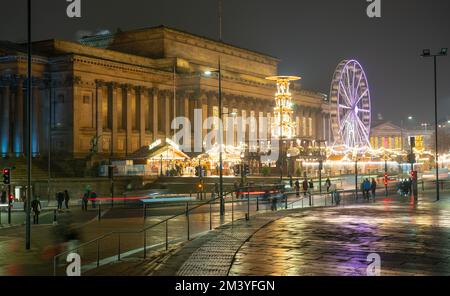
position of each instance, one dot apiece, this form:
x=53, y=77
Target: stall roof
x=157, y=148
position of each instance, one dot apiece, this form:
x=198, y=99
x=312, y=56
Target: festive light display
x=283, y=125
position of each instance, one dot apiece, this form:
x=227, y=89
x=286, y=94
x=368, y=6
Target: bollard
x=257, y=203
x=167, y=235
x=248, y=205
x=210, y=216
x=286, y=202
x=145, y=211
x=98, y=253
x=99, y=211
x=118, y=248
x=54, y=217
x=188, y=224
x=145, y=244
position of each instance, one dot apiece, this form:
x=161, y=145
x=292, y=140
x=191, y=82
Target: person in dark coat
x=66, y=198
x=36, y=207
x=305, y=186
x=373, y=188
x=297, y=188
x=60, y=200
x=85, y=200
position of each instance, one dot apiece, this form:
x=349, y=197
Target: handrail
x=165, y=221
x=146, y=228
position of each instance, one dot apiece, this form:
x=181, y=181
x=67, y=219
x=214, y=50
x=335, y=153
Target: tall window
x=58, y=111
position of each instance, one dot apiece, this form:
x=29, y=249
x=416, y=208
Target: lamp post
x=161, y=165
x=355, y=155
x=320, y=164
x=426, y=53
x=29, y=127
x=219, y=73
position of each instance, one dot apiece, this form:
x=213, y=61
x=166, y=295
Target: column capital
x=99, y=83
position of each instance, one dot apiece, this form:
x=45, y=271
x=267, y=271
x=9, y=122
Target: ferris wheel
x=351, y=105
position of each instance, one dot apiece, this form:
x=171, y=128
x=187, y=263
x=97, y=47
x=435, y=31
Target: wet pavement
x=410, y=240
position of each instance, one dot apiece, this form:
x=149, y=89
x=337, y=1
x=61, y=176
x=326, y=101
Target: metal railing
x=101, y=255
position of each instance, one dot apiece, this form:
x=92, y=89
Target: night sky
x=310, y=36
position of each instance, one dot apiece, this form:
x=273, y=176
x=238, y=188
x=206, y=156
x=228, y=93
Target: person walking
x=297, y=188
x=367, y=186
x=84, y=201
x=328, y=184
x=94, y=199
x=59, y=200
x=373, y=187
x=36, y=207
x=305, y=186
x=310, y=192
x=236, y=189
x=66, y=199
x=274, y=203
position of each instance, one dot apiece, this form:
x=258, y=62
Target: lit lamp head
x=426, y=53
x=207, y=73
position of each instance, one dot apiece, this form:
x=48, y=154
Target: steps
x=38, y=171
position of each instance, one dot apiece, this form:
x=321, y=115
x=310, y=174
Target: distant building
x=388, y=135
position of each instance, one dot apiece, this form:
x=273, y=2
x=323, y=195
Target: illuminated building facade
x=116, y=93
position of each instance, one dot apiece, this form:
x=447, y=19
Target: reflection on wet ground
x=410, y=239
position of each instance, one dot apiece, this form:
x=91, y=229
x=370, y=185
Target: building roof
x=104, y=38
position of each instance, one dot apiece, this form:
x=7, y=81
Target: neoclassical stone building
x=125, y=88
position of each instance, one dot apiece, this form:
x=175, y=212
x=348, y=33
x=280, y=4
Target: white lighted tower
x=283, y=125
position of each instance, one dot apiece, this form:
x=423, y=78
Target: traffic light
x=386, y=179
x=197, y=171
x=11, y=199
x=6, y=176
x=247, y=170
x=200, y=186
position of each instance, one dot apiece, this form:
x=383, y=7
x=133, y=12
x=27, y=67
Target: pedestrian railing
x=185, y=225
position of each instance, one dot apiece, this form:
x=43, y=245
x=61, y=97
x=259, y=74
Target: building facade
x=116, y=93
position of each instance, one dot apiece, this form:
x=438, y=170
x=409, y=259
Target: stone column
x=167, y=111
x=128, y=93
x=36, y=114
x=18, y=118
x=154, y=94
x=5, y=120
x=99, y=97
x=114, y=115
x=140, y=111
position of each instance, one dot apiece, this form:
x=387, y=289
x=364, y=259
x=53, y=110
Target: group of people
x=404, y=187
x=369, y=188
x=307, y=188
x=62, y=197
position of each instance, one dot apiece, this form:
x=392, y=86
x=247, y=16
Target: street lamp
x=219, y=72
x=426, y=53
